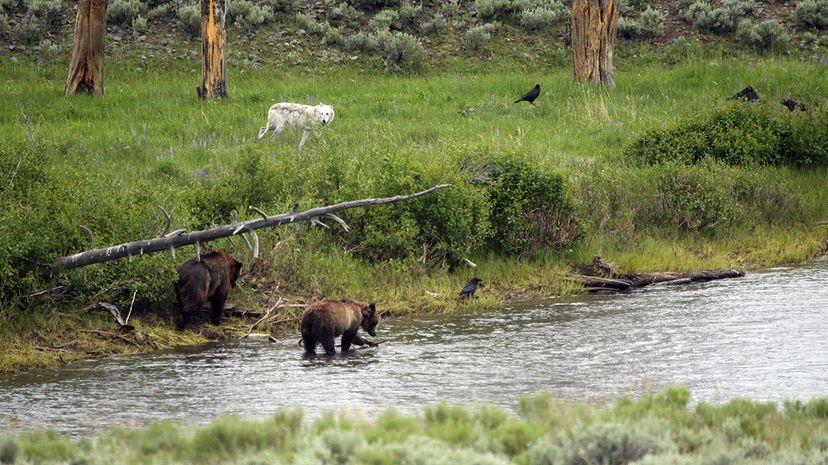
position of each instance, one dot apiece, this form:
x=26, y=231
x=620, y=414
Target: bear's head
x=235, y=271
x=370, y=319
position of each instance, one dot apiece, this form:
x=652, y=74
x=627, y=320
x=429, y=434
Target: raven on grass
x=531, y=95
x=471, y=286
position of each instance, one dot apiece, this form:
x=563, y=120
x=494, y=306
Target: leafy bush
x=476, y=37
x=139, y=25
x=739, y=134
x=692, y=199
x=362, y=42
x=600, y=443
x=437, y=23
x=245, y=14
x=531, y=208
x=123, y=11
x=161, y=11
x=49, y=11
x=29, y=29
x=344, y=12
x=652, y=22
x=376, y=4
x=282, y=6
x=48, y=52
x=543, y=17
x=400, y=51
x=408, y=12
x=488, y=9
x=719, y=20
x=189, y=18
x=812, y=13
x=767, y=34
x=383, y=20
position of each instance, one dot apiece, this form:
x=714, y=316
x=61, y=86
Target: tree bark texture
x=86, y=66
x=213, y=41
x=594, y=24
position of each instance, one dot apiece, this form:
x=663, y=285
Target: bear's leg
x=310, y=344
x=217, y=305
x=328, y=343
x=347, y=339
x=186, y=312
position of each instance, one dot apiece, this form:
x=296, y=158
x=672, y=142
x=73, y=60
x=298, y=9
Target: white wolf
x=307, y=117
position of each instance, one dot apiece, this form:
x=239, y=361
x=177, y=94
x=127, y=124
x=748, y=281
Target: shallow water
x=763, y=337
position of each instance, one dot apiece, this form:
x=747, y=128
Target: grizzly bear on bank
x=323, y=321
x=208, y=279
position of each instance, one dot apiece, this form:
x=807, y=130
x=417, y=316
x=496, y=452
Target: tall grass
x=659, y=428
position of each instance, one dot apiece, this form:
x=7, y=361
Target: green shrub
x=344, y=12
x=123, y=11
x=245, y=14
x=601, y=443
x=162, y=11
x=383, y=20
x=812, y=13
x=189, y=19
x=408, y=12
x=29, y=29
x=739, y=134
x=282, y=6
x=488, y=9
x=475, y=38
x=139, y=26
x=362, y=42
x=531, y=209
x=252, y=181
x=719, y=20
x=48, y=52
x=543, y=17
x=766, y=35
x=400, y=51
x=437, y=23
x=692, y=199
x=652, y=22
x=7, y=5
x=628, y=28
x=49, y=11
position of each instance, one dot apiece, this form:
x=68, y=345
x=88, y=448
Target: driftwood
x=600, y=276
x=181, y=238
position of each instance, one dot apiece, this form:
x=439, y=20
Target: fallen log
x=181, y=238
x=608, y=279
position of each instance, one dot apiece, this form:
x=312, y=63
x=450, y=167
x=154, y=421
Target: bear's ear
x=369, y=310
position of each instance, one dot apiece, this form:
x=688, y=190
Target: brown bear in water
x=325, y=320
x=208, y=279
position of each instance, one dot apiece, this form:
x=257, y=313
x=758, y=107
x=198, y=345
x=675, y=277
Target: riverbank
x=107, y=164
x=659, y=428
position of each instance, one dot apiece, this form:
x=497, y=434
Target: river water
x=763, y=337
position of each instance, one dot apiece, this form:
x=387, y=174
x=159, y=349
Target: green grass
x=74, y=161
x=659, y=428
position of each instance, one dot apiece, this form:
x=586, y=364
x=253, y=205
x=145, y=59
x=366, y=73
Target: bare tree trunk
x=594, y=24
x=213, y=38
x=86, y=67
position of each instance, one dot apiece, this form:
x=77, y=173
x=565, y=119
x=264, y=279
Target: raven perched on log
x=471, y=286
x=531, y=95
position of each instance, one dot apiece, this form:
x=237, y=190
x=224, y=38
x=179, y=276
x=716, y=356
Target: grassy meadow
x=108, y=163
x=656, y=429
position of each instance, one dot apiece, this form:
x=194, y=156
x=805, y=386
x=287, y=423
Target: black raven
x=471, y=286
x=792, y=105
x=531, y=95
x=747, y=94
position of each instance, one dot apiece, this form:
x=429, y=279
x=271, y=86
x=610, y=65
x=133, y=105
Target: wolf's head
x=325, y=113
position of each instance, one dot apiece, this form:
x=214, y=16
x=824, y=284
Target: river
x=763, y=337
